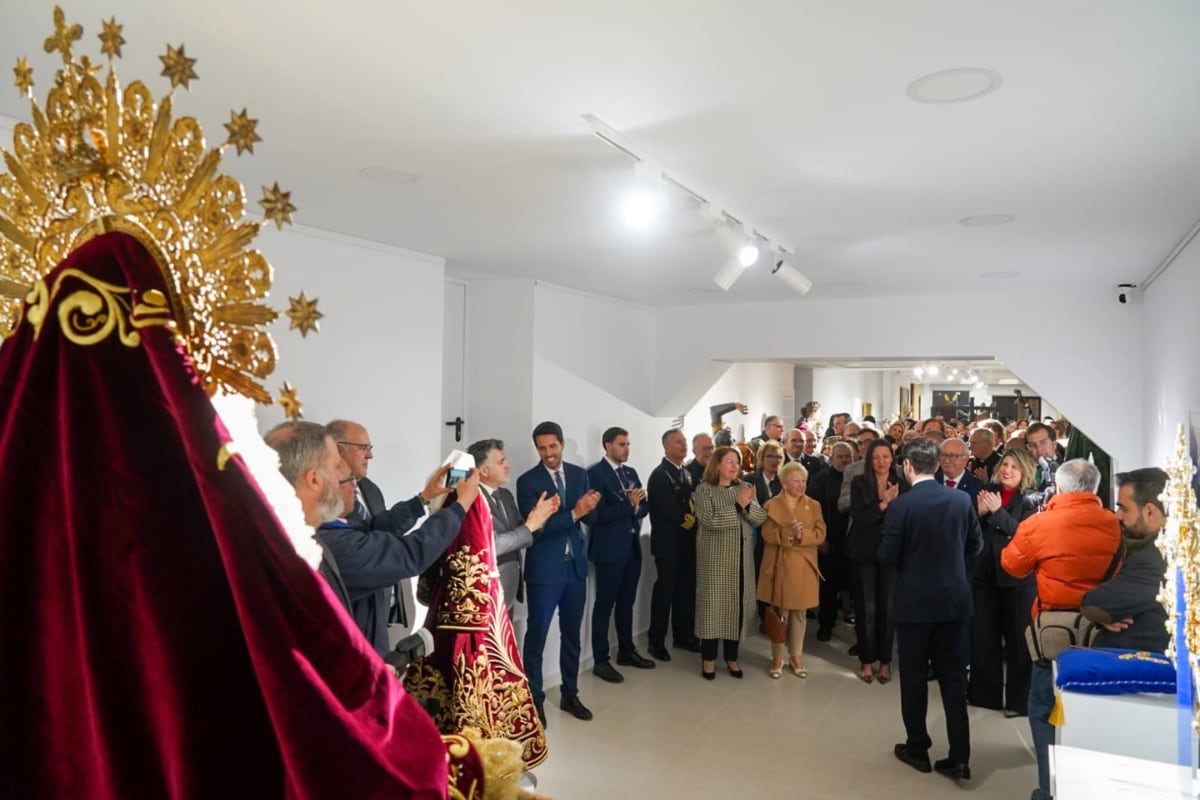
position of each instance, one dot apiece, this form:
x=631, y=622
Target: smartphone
x=454, y=476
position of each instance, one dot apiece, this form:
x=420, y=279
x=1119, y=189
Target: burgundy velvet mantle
x=159, y=637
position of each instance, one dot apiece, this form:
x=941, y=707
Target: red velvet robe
x=475, y=669
x=160, y=637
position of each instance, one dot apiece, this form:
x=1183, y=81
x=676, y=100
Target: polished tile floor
x=668, y=733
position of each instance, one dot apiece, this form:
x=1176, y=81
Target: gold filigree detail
x=111, y=38
x=277, y=206
x=227, y=451
x=63, y=37
x=24, y=76
x=89, y=316
x=100, y=157
x=1179, y=543
x=290, y=402
x=304, y=315
x=468, y=602
x=178, y=67
x=241, y=132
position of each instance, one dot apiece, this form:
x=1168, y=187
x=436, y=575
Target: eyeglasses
x=353, y=481
x=954, y=455
x=366, y=448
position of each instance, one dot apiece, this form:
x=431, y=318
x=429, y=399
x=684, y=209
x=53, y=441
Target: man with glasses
x=953, y=473
x=363, y=559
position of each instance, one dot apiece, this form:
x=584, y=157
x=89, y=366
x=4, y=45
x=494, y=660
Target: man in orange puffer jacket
x=1072, y=545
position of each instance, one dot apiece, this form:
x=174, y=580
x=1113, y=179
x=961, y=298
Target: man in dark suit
x=953, y=470
x=702, y=450
x=930, y=534
x=556, y=566
x=510, y=533
x=615, y=547
x=825, y=487
x=673, y=544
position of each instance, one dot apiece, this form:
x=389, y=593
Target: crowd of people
x=940, y=541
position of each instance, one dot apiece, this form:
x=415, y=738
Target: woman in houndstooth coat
x=727, y=510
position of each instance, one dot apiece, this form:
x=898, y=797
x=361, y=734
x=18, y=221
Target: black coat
x=1131, y=594
x=998, y=530
x=825, y=488
x=669, y=493
x=866, y=520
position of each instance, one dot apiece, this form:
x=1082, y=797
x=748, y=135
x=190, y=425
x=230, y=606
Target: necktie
x=951, y=484
x=360, y=507
x=562, y=496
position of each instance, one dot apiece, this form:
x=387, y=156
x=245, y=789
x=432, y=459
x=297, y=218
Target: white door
x=454, y=362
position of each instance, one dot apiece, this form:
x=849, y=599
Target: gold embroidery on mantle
x=89, y=316
x=468, y=603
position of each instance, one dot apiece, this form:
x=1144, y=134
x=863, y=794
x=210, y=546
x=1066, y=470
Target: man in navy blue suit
x=930, y=534
x=556, y=566
x=953, y=472
x=615, y=547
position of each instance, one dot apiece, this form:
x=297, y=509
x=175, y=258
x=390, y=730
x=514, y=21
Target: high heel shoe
x=885, y=678
x=708, y=676
x=799, y=672
x=737, y=673
x=776, y=670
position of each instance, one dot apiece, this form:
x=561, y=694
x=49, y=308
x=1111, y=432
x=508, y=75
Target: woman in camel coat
x=790, y=579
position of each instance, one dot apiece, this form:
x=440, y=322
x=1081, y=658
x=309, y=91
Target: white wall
x=378, y=356
x=841, y=390
x=767, y=388
x=1073, y=370
x=1168, y=355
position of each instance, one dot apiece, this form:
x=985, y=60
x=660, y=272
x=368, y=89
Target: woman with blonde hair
x=1000, y=666
x=790, y=578
x=727, y=511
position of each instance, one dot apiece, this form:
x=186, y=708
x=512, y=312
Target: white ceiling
x=794, y=112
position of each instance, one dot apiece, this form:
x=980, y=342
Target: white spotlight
x=932, y=369
x=729, y=274
x=645, y=202
x=918, y=371
x=736, y=245
x=791, y=276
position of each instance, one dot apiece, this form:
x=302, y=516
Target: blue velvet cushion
x=1113, y=671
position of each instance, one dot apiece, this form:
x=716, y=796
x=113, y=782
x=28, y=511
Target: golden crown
x=98, y=158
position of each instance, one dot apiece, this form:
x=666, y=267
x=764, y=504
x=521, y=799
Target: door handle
x=457, y=424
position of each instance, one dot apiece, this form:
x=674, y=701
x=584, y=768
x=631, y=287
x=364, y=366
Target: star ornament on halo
x=111, y=38
x=24, y=76
x=178, y=67
x=277, y=205
x=241, y=131
x=304, y=315
x=290, y=402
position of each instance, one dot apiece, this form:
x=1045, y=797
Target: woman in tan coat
x=790, y=579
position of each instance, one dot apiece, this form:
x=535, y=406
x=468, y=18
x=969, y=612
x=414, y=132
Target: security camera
x=1125, y=292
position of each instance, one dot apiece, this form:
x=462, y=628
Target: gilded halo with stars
x=304, y=315
x=241, y=131
x=290, y=402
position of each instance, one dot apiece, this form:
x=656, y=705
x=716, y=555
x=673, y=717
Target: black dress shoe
x=660, y=652
x=634, y=659
x=691, y=645
x=541, y=712
x=960, y=772
x=572, y=705
x=606, y=672
x=824, y=634
x=737, y=673
x=708, y=676
x=919, y=763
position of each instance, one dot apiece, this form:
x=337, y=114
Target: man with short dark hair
x=772, y=432
x=673, y=545
x=510, y=533
x=930, y=534
x=1043, y=446
x=556, y=566
x=615, y=548
x=932, y=428
x=1127, y=604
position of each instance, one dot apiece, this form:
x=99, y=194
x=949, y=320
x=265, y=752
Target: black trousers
x=673, y=599
x=998, y=640
x=834, y=567
x=874, y=586
x=616, y=590
x=708, y=649
x=939, y=644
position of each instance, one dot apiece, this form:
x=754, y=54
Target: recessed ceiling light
x=998, y=276
x=986, y=219
x=954, y=85
x=388, y=175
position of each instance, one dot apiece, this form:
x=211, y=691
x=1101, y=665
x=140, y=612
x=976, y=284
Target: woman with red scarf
x=1001, y=601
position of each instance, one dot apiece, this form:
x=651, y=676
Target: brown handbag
x=775, y=618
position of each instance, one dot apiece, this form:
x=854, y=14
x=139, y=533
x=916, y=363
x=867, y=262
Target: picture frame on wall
x=866, y=410
x=914, y=391
x=905, y=400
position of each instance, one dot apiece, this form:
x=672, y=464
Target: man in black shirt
x=825, y=487
x=1127, y=605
